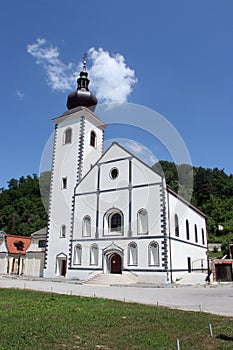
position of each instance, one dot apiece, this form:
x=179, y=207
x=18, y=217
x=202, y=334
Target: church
x=109, y=212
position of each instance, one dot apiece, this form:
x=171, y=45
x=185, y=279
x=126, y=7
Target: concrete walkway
x=214, y=299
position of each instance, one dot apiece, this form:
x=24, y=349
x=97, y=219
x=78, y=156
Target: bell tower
x=78, y=144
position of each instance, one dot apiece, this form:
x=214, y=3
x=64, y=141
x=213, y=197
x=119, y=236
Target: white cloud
x=111, y=79
x=20, y=94
x=135, y=147
x=141, y=152
x=60, y=76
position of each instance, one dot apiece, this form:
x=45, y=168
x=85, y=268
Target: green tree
x=21, y=208
x=212, y=193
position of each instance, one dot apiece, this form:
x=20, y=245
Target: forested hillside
x=21, y=208
x=212, y=193
x=22, y=211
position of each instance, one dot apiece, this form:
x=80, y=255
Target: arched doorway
x=61, y=264
x=115, y=263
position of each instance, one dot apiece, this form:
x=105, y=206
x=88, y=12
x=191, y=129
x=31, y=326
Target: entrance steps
x=110, y=279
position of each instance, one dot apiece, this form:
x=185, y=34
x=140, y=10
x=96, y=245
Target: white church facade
x=110, y=212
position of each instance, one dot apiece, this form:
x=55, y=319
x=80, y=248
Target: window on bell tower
x=63, y=231
x=67, y=136
x=93, y=139
x=64, y=183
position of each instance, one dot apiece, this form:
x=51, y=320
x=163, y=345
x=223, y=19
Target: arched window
x=115, y=222
x=187, y=230
x=142, y=222
x=63, y=231
x=78, y=254
x=94, y=252
x=86, y=229
x=93, y=139
x=132, y=254
x=153, y=254
x=177, y=230
x=68, y=136
x=195, y=233
x=203, y=236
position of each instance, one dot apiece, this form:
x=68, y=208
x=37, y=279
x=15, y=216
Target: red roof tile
x=17, y=244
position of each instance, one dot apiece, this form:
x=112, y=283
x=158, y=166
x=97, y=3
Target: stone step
x=111, y=279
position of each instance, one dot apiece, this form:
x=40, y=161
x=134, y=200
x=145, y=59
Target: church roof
x=40, y=233
x=169, y=189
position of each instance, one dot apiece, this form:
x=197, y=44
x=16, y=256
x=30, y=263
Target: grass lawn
x=35, y=320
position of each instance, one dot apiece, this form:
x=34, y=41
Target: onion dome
x=82, y=97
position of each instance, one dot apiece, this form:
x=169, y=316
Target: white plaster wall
x=141, y=174
x=180, y=247
x=3, y=248
x=34, y=245
x=115, y=152
x=121, y=181
x=34, y=264
x=85, y=270
x=3, y=255
x=176, y=206
x=116, y=195
x=84, y=205
x=3, y=262
x=29, y=265
x=113, y=200
x=149, y=199
x=180, y=252
x=66, y=165
x=91, y=154
x=89, y=182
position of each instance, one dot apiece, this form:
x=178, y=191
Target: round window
x=114, y=173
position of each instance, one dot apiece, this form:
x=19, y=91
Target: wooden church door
x=63, y=268
x=116, y=263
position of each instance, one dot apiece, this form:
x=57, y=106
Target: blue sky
x=176, y=57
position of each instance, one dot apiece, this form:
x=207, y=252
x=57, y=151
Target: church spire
x=82, y=97
x=84, y=62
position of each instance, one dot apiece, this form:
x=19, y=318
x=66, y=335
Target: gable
x=115, y=151
x=130, y=172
